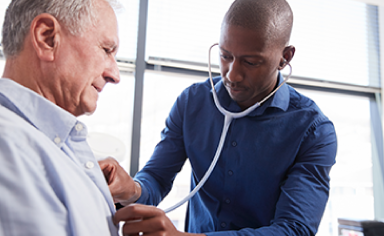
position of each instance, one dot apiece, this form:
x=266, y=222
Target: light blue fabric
x=50, y=182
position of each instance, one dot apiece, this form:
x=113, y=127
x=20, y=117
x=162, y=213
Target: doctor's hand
x=147, y=220
x=123, y=189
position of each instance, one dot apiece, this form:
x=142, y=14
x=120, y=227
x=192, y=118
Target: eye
x=107, y=50
x=253, y=64
x=225, y=57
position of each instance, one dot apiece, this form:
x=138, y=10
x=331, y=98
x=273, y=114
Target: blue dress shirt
x=272, y=177
x=50, y=182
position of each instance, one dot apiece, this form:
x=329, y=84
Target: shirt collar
x=279, y=100
x=47, y=117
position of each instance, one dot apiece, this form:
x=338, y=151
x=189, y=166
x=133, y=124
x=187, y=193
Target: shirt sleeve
x=156, y=178
x=28, y=204
x=305, y=192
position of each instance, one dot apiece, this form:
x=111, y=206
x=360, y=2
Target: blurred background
x=164, y=49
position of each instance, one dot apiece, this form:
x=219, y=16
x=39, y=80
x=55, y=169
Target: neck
x=20, y=69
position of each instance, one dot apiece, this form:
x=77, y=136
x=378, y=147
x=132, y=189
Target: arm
x=155, y=180
x=168, y=158
x=304, y=193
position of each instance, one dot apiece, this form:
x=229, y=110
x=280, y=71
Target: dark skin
x=249, y=65
x=249, y=68
x=124, y=190
x=149, y=220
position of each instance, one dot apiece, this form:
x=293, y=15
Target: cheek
x=88, y=99
x=80, y=84
x=223, y=67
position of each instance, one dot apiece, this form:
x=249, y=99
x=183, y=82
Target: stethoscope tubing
x=228, y=117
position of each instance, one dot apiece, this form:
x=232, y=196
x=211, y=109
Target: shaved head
x=274, y=17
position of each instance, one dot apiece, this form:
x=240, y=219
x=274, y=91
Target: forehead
x=106, y=28
x=237, y=39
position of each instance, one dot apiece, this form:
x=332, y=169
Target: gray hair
x=75, y=15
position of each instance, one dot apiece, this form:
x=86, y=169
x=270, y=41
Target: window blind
x=335, y=40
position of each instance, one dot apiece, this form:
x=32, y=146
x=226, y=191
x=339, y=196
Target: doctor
x=272, y=177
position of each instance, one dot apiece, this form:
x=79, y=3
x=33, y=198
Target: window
x=113, y=116
x=3, y=7
x=351, y=194
x=337, y=44
x=331, y=36
x=336, y=41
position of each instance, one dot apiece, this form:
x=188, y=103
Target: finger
x=124, y=214
x=111, y=174
x=137, y=227
x=147, y=226
x=129, y=229
x=136, y=211
x=107, y=161
x=103, y=162
x=108, y=172
x=103, y=165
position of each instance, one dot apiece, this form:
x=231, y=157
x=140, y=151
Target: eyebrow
x=258, y=56
x=111, y=44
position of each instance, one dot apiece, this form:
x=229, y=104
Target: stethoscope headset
x=228, y=117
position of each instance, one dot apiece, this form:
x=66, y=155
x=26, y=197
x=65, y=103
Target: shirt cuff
x=144, y=193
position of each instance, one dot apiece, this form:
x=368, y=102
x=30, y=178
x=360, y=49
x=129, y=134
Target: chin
x=89, y=112
x=86, y=110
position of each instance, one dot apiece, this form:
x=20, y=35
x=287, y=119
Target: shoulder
x=316, y=122
x=307, y=113
x=18, y=137
x=198, y=92
x=193, y=99
x=11, y=123
x=301, y=103
x=200, y=87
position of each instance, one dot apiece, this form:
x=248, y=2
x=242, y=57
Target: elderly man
x=59, y=56
x=272, y=177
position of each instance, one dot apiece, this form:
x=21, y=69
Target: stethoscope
x=228, y=117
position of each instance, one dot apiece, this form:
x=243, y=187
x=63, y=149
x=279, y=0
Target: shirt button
x=230, y=172
x=57, y=140
x=89, y=165
x=234, y=144
x=223, y=224
x=79, y=127
x=227, y=201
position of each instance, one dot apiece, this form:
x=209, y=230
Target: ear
x=288, y=54
x=44, y=32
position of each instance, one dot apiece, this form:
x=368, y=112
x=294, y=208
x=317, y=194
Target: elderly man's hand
x=123, y=189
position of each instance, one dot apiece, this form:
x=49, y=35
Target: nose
x=234, y=74
x=111, y=73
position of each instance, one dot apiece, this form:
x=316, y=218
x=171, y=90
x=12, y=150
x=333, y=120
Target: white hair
x=75, y=15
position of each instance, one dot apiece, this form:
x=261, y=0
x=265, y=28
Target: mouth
x=235, y=91
x=234, y=87
x=97, y=88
